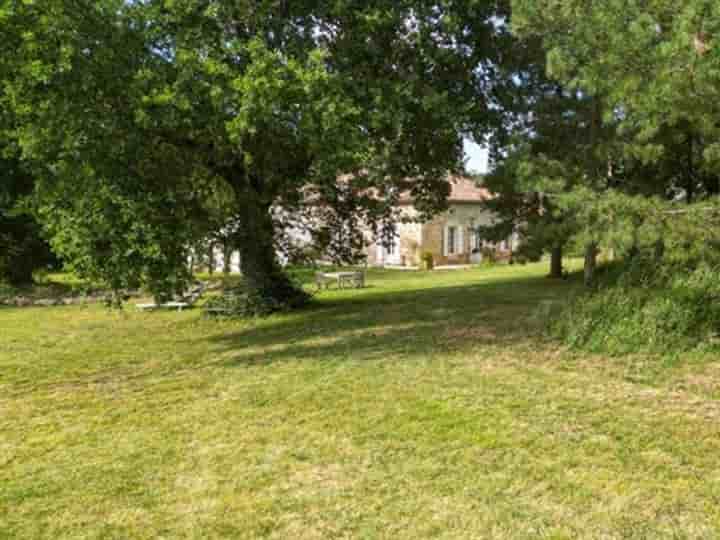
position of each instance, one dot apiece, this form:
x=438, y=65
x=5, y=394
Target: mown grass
x=425, y=406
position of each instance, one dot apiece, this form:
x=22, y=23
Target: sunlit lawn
x=425, y=406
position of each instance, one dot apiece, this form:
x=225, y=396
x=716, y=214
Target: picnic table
x=343, y=280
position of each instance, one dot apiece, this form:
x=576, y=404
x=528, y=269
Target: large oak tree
x=135, y=114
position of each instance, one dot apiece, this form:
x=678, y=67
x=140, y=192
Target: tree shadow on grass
x=377, y=324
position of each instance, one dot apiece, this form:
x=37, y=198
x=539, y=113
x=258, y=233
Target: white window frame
x=392, y=246
x=451, y=240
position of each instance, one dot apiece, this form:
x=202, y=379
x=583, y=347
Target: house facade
x=451, y=238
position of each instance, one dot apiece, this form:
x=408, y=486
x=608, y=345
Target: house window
x=452, y=240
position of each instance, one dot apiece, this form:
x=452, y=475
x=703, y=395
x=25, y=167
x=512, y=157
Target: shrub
x=527, y=253
x=240, y=302
x=22, y=250
x=489, y=256
x=428, y=261
x=640, y=307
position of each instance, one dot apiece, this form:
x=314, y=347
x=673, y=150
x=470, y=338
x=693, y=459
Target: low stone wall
x=27, y=301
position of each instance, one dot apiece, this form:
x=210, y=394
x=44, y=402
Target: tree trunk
x=211, y=259
x=659, y=249
x=556, y=262
x=263, y=276
x=591, y=252
x=227, y=256
x=712, y=184
x=690, y=173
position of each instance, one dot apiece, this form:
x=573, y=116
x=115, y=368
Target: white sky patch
x=477, y=157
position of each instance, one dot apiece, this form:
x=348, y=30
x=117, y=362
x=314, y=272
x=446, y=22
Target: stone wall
x=432, y=240
x=462, y=216
x=416, y=238
x=410, y=243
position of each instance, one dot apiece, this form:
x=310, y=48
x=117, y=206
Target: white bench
x=343, y=280
x=178, y=305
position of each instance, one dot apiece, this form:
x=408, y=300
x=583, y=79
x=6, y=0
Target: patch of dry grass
x=426, y=406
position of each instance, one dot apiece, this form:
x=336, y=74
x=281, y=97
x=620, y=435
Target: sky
x=477, y=157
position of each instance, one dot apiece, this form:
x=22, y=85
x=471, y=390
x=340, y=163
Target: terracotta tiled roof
x=464, y=189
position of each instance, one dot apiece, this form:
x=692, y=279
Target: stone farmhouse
x=451, y=238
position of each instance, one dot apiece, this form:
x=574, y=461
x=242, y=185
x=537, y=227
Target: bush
x=640, y=307
x=428, y=261
x=240, y=302
x=526, y=254
x=489, y=255
x=22, y=250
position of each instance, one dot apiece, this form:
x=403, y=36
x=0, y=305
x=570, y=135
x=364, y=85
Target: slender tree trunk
x=211, y=259
x=690, y=182
x=712, y=184
x=659, y=249
x=263, y=275
x=227, y=256
x=633, y=252
x=556, y=262
x=591, y=252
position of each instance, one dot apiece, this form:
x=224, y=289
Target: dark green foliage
x=22, y=249
x=527, y=253
x=654, y=64
x=548, y=144
x=120, y=238
x=645, y=78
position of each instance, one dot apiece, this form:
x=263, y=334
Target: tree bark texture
x=262, y=273
x=591, y=253
x=556, y=262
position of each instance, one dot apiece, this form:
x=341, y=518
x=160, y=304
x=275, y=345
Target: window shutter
x=446, y=238
x=461, y=240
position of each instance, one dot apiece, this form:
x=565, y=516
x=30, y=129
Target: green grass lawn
x=425, y=406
